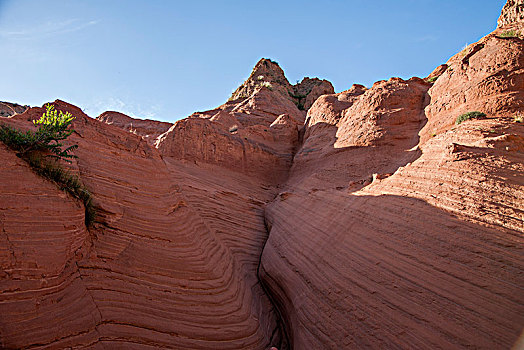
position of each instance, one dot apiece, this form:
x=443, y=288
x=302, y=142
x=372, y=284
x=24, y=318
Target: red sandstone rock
x=268, y=74
x=437, y=72
x=512, y=13
x=389, y=225
x=170, y=262
x=148, y=129
x=487, y=76
x=382, y=238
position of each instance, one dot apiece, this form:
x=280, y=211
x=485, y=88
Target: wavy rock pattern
x=171, y=260
x=399, y=229
x=379, y=224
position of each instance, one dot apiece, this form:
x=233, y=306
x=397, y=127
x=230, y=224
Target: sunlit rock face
x=8, y=109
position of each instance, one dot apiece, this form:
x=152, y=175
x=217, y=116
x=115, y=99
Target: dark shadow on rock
x=345, y=271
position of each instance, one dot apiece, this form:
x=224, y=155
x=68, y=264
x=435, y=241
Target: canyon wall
x=398, y=228
x=290, y=216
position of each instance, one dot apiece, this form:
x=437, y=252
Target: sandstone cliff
x=416, y=236
x=290, y=216
x=172, y=258
x=512, y=13
x=268, y=74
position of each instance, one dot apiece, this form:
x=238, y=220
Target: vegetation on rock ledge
x=53, y=127
x=509, y=34
x=469, y=115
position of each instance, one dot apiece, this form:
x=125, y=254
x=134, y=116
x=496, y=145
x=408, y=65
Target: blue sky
x=166, y=59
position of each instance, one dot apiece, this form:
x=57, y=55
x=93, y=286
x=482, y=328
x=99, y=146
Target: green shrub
x=432, y=79
x=32, y=146
x=470, y=115
x=53, y=127
x=16, y=140
x=509, y=34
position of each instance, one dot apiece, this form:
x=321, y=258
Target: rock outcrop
x=146, y=128
x=172, y=258
x=512, y=13
x=290, y=216
x=486, y=76
x=268, y=74
x=8, y=109
x=398, y=228
x=170, y=262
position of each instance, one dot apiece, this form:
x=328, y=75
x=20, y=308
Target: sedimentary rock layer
x=372, y=221
x=398, y=228
x=171, y=260
x=148, y=129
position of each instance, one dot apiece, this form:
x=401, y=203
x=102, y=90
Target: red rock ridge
x=512, y=13
x=268, y=74
x=172, y=257
x=146, y=128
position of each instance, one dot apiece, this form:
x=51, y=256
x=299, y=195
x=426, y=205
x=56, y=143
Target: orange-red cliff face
x=290, y=216
x=398, y=228
x=172, y=258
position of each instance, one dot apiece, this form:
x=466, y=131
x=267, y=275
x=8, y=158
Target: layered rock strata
x=398, y=228
x=146, y=128
x=172, y=258
x=268, y=74
x=372, y=221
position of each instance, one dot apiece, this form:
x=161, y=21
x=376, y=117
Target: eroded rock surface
x=172, y=258
x=8, y=109
x=148, y=129
x=398, y=228
x=512, y=13
x=370, y=221
x=268, y=74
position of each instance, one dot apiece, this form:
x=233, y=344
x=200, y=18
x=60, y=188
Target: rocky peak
x=268, y=74
x=512, y=13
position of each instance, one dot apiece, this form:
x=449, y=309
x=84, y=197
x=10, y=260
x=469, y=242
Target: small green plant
x=53, y=127
x=432, y=79
x=32, y=147
x=470, y=115
x=509, y=34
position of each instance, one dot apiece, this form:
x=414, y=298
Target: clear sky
x=166, y=59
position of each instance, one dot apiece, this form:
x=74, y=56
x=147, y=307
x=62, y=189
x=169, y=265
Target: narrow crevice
x=279, y=336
